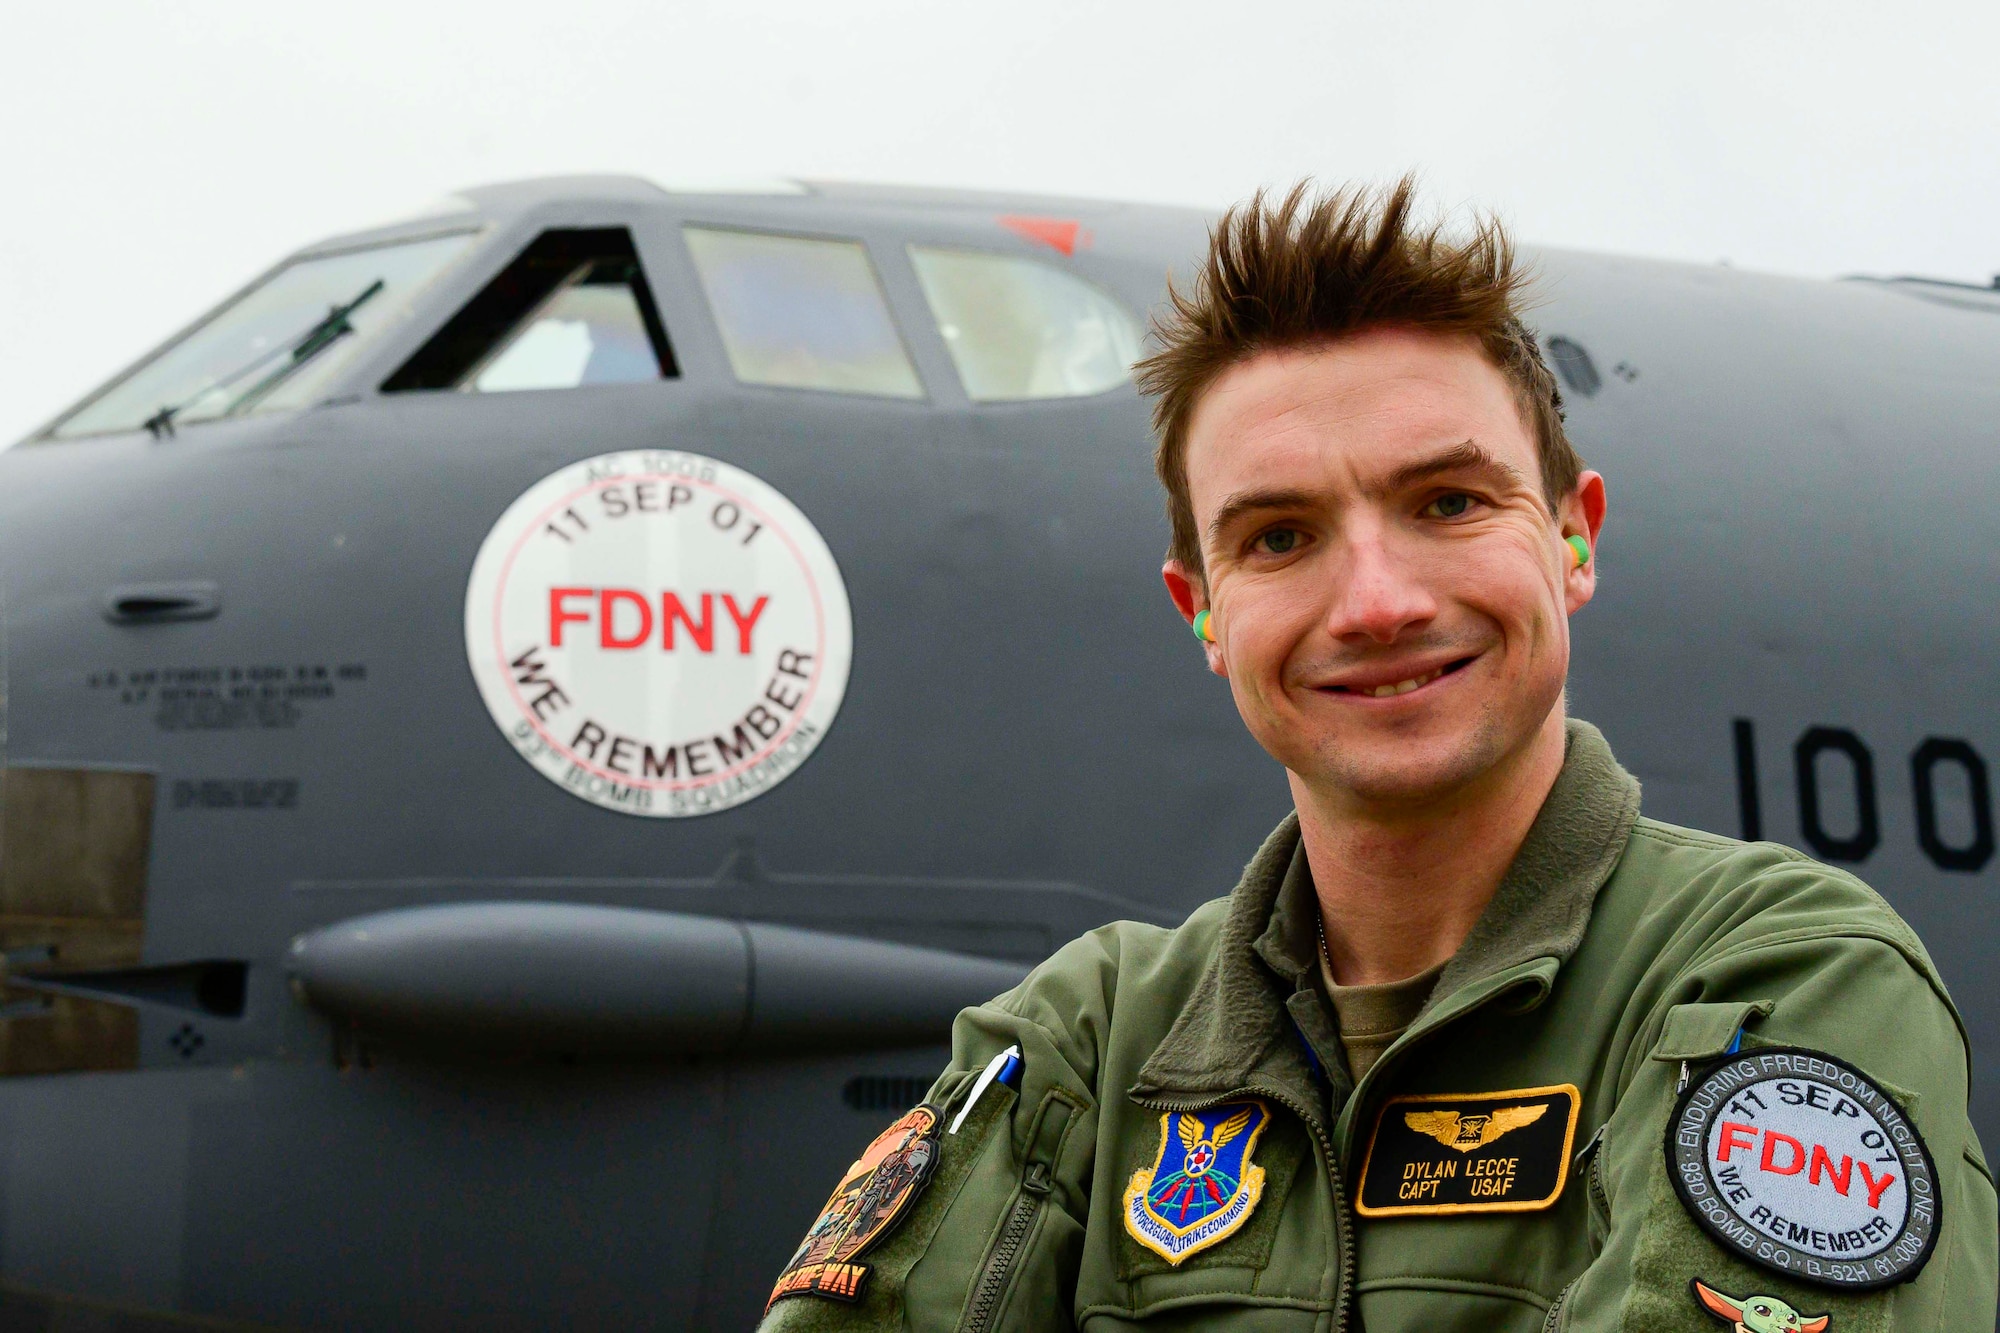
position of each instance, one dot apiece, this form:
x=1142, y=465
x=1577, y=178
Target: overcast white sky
x=158, y=152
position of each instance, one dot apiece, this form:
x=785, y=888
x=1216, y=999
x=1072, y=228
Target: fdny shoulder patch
x=1202, y=1185
x=1756, y=1314
x=870, y=1199
x=1799, y=1162
x=1474, y=1152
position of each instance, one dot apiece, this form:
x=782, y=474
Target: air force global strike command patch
x=1474, y=1152
x=867, y=1204
x=1799, y=1162
x=1202, y=1185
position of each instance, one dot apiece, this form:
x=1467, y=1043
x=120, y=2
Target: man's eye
x=1450, y=506
x=1278, y=541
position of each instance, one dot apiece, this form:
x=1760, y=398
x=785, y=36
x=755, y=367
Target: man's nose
x=1380, y=596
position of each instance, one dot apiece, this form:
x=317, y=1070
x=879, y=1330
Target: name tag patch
x=1799, y=1162
x=1474, y=1152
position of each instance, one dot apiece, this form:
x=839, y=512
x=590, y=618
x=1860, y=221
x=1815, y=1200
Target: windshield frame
x=47, y=434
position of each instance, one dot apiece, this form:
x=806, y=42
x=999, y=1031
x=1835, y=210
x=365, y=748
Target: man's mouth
x=1405, y=686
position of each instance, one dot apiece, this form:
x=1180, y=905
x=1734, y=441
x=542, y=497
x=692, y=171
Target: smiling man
x=1472, y=1045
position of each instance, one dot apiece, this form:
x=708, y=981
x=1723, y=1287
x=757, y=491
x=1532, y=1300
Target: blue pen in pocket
x=1004, y=1068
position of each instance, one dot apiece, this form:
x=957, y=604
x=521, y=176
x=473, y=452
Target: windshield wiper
x=322, y=335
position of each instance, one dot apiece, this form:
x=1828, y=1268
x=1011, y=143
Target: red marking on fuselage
x=1063, y=235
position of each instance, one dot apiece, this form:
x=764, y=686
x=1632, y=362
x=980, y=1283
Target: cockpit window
x=1020, y=329
x=802, y=313
x=274, y=347
x=572, y=309
x=589, y=331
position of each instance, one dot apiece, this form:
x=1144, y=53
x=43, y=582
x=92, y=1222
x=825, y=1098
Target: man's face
x=1390, y=590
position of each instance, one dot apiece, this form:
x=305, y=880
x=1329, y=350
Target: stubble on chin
x=1424, y=770
x=1419, y=772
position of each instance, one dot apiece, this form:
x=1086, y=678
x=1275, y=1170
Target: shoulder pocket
x=1705, y=1031
x=1020, y=1232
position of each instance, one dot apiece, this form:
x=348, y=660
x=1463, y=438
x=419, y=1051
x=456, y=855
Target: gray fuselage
x=1799, y=569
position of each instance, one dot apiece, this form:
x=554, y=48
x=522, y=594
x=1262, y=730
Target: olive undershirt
x=1370, y=1018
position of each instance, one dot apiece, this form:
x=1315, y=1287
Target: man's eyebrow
x=1232, y=510
x=1467, y=456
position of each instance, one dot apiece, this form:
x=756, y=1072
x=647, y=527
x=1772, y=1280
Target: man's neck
x=1400, y=889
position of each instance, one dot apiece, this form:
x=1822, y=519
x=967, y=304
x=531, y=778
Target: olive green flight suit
x=1616, y=953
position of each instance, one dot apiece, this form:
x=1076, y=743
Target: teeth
x=1403, y=686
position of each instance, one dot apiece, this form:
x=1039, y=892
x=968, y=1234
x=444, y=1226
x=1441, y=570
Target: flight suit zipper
x=1598, y=1205
x=999, y=1266
x=1553, y=1323
x=1590, y=1161
x=1343, y=1219
x=989, y=1292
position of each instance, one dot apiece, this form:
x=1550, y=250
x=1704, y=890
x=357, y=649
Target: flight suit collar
x=1256, y=1010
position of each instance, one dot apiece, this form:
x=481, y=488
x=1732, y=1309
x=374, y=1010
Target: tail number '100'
x=1837, y=747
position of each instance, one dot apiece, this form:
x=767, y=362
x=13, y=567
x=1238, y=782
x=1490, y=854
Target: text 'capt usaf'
x=660, y=633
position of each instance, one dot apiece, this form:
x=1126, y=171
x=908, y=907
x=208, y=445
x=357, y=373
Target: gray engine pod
x=566, y=977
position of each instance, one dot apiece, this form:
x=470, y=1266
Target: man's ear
x=1582, y=516
x=1190, y=594
x=1583, y=509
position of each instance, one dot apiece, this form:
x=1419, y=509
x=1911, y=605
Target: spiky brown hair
x=1312, y=268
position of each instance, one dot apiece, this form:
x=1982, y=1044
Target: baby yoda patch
x=1475, y=1152
x=1799, y=1162
x=1756, y=1314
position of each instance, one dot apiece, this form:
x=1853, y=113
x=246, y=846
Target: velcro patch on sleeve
x=868, y=1203
x=1474, y=1152
x=1800, y=1163
x=1673, y=1249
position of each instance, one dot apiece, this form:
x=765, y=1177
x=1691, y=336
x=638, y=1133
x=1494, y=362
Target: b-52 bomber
x=524, y=724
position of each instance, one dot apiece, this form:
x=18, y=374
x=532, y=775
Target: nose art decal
x=659, y=633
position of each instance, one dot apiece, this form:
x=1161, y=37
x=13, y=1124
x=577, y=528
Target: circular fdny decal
x=660, y=633
x=1799, y=1162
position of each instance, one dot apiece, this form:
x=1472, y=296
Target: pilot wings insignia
x=1468, y=1132
x=1504, y=1151
x=1202, y=1185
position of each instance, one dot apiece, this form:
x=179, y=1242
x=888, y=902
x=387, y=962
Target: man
x=1472, y=1045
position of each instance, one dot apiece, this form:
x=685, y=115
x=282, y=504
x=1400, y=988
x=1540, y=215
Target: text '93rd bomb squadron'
x=660, y=633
